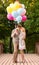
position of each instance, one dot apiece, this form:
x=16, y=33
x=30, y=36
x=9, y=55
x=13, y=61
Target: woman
x=22, y=37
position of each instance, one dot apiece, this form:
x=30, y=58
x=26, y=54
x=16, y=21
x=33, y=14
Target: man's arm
x=12, y=33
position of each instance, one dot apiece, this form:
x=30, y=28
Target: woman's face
x=19, y=27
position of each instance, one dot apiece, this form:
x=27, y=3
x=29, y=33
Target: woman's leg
x=15, y=53
x=22, y=55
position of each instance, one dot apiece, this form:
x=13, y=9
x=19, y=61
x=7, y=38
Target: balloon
x=16, y=6
x=18, y=19
x=9, y=16
x=14, y=14
x=11, y=5
x=24, y=18
x=16, y=2
x=21, y=11
x=23, y=5
x=9, y=9
x=14, y=19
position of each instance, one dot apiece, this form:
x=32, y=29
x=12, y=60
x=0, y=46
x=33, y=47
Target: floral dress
x=22, y=40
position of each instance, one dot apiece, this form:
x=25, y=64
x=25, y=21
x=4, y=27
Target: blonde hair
x=19, y=25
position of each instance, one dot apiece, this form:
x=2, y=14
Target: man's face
x=15, y=26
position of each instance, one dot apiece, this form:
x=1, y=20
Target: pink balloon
x=14, y=18
x=24, y=18
x=10, y=17
x=23, y=13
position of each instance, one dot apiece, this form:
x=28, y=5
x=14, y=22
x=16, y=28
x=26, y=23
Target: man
x=15, y=40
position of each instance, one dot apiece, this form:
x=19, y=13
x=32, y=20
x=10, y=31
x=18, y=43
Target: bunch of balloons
x=16, y=12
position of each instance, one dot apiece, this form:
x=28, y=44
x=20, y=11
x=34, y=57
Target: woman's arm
x=24, y=34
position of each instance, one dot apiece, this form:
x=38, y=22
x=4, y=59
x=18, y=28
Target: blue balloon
x=20, y=11
x=19, y=19
x=15, y=14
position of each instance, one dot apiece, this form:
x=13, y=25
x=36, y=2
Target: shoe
x=15, y=61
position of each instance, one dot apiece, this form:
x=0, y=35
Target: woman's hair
x=19, y=25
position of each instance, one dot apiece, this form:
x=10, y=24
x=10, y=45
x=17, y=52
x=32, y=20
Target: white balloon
x=19, y=19
x=11, y=5
x=23, y=5
x=15, y=14
x=21, y=11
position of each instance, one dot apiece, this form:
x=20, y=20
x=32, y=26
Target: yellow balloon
x=13, y=7
x=9, y=9
x=16, y=6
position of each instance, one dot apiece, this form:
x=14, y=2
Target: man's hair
x=15, y=23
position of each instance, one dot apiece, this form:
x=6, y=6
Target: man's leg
x=15, y=52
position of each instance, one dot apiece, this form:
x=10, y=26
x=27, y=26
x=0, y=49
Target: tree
x=5, y=25
x=31, y=25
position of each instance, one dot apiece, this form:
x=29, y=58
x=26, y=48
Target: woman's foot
x=24, y=61
x=14, y=61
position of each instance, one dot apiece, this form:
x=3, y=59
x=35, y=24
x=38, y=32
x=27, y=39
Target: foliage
x=31, y=25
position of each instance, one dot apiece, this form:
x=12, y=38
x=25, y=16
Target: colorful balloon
x=16, y=6
x=15, y=14
x=16, y=2
x=23, y=6
x=24, y=18
x=11, y=5
x=21, y=11
x=9, y=9
x=10, y=17
x=19, y=19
